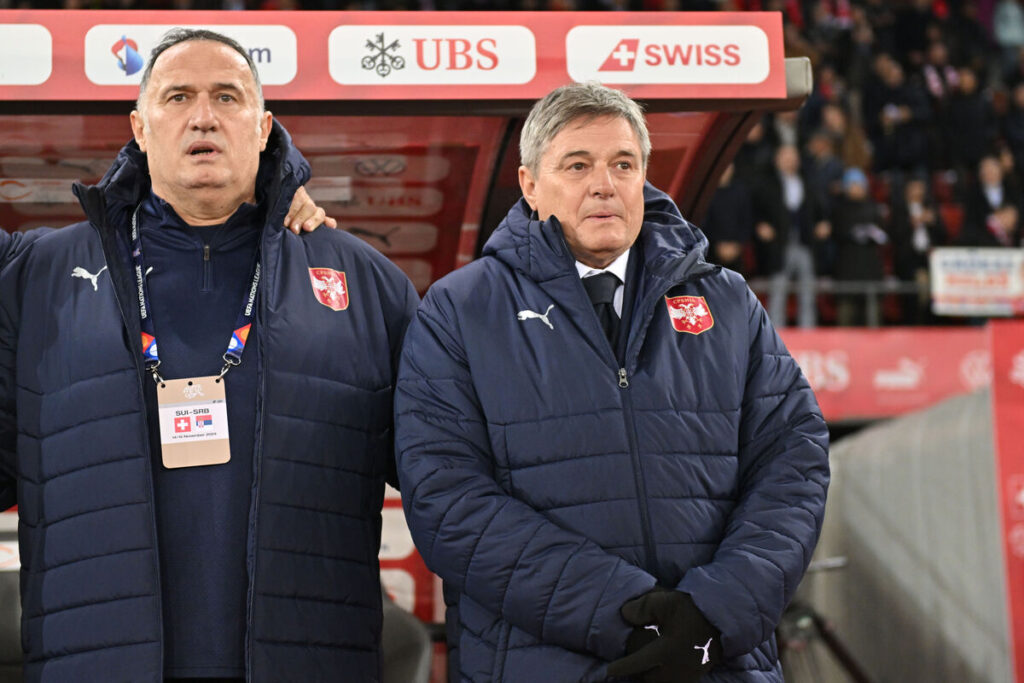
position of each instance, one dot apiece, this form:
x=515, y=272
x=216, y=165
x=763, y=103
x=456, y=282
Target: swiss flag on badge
x=689, y=314
x=330, y=287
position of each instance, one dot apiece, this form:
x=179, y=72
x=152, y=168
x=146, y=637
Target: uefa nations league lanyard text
x=236, y=345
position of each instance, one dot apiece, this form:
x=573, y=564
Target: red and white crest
x=330, y=287
x=689, y=314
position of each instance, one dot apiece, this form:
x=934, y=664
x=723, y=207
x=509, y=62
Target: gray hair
x=182, y=35
x=564, y=105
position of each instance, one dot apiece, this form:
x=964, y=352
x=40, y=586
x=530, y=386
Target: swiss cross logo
x=689, y=314
x=182, y=424
x=330, y=288
x=623, y=57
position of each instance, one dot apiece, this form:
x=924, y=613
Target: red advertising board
x=89, y=55
x=1008, y=416
x=862, y=374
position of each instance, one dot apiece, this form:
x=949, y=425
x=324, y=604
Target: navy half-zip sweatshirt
x=199, y=279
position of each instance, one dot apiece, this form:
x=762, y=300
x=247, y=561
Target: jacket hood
x=282, y=170
x=671, y=246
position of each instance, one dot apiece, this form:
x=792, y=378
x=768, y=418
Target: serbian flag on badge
x=330, y=288
x=239, y=337
x=204, y=420
x=689, y=314
x=149, y=346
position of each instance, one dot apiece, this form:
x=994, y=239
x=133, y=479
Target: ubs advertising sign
x=432, y=55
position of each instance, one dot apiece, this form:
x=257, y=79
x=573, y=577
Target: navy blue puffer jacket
x=74, y=450
x=547, y=486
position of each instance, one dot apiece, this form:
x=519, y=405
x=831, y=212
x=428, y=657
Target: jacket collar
x=127, y=182
x=673, y=249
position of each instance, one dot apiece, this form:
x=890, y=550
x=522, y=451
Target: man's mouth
x=202, y=149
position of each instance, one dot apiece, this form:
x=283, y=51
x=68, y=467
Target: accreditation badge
x=193, y=422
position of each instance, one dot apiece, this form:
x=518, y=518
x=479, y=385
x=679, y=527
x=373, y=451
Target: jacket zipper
x=140, y=375
x=622, y=377
x=650, y=550
x=257, y=472
x=206, y=268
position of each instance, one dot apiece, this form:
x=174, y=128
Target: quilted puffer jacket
x=74, y=450
x=548, y=484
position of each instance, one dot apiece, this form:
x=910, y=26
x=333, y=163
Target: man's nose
x=601, y=183
x=203, y=116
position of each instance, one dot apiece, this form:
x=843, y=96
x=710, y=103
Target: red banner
x=1008, y=416
x=862, y=374
x=90, y=55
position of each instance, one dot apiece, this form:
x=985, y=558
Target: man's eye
x=180, y=97
x=625, y=165
x=578, y=166
x=227, y=98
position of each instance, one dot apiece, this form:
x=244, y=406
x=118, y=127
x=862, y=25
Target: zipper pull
x=206, y=252
x=623, y=382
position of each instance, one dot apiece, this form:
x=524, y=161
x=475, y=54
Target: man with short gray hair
x=196, y=405
x=604, y=448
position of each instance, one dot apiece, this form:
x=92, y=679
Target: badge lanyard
x=236, y=345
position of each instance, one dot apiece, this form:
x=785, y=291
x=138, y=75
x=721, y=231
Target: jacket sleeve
x=11, y=247
x=403, y=307
x=506, y=556
x=783, y=477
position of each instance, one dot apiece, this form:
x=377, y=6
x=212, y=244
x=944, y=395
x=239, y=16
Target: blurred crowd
x=912, y=138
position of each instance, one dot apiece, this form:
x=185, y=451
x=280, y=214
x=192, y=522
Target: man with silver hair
x=604, y=448
x=206, y=507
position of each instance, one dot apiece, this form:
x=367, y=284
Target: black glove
x=684, y=647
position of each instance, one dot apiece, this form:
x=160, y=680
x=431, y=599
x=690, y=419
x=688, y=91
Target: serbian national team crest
x=689, y=314
x=330, y=287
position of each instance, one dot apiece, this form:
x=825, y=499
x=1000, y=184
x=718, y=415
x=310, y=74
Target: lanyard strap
x=236, y=345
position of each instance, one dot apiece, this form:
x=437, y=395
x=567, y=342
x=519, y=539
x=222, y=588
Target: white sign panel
x=730, y=55
x=116, y=54
x=26, y=54
x=977, y=282
x=432, y=55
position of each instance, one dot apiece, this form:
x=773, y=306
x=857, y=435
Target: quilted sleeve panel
x=556, y=585
x=783, y=478
x=13, y=253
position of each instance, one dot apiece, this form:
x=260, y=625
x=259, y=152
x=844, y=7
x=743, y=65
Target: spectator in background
x=941, y=80
x=850, y=141
x=1008, y=30
x=912, y=20
x=998, y=230
x=897, y=122
x=971, y=41
x=754, y=157
x=916, y=227
x=970, y=124
x=824, y=170
x=859, y=238
x=792, y=218
x=994, y=189
x=1012, y=124
x=729, y=223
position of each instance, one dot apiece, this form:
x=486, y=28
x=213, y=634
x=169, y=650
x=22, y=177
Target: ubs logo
x=381, y=60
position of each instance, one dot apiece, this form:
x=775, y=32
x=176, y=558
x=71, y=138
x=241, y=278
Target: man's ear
x=266, y=119
x=138, y=128
x=528, y=184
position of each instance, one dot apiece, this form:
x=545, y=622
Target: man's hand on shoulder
x=304, y=214
x=671, y=642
